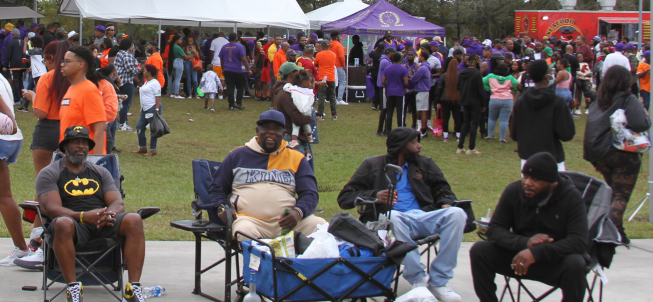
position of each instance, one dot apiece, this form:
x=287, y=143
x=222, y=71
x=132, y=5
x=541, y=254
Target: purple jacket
x=4, y=39
x=422, y=77
x=23, y=32
x=383, y=63
x=461, y=66
x=475, y=48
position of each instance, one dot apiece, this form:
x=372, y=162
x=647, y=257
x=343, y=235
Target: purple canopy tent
x=382, y=16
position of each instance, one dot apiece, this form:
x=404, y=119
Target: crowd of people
x=82, y=94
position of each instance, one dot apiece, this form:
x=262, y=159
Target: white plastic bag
x=323, y=246
x=420, y=294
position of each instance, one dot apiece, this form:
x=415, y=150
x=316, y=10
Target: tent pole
x=129, y=27
x=288, y=33
x=650, y=162
x=236, y=27
x=37, y=10
x=268, y=32
x=200, y=30
x=159, y=34
x=81, y=22
x=639, y=29
x=347, y=54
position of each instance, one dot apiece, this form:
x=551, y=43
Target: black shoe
x=231, y=108
x=380, y=133
x=241, y=107
x=624, y=239
x=261, y=99
x=375, y=108
x=271, y=107
x=22, y=109
x=115, y=150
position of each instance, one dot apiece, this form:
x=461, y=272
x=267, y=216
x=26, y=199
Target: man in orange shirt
x=325, y=61
x=82, y=104
x=280, y=58
x=337, y=48
x=156, y=60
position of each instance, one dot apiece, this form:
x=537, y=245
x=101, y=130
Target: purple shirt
x=412, y=69
x=394, y=80
x=297, y=47
x=384, y=63
x=394, y=44
x=504, y=52
x=461, y=66
x=422, y=77
x=230, y=55
x=23, y=32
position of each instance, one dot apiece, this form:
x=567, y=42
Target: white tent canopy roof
x=333, y=12
x=212, y=13
x=10, y=10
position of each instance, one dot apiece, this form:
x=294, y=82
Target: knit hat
x=15, y=32
x=620, y=46
x=542, y=166
x=9, y=27
x=399, y=137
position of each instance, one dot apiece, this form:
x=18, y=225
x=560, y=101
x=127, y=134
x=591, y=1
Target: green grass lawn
x=166, y=179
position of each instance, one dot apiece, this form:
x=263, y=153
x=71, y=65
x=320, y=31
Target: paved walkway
x=170, y=264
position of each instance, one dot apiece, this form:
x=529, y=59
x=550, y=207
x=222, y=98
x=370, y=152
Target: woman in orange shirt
x=106, y=45
x=110, y=99
x=156, y=60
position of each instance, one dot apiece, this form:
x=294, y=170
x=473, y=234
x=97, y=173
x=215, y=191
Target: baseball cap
x=597, y=38
x=292, y=37
x=497, y=56
x=487, y=48
x=487, y=42
x=408, y=43
x=291, y=52
x=309, y=47
x=647, y=53
x=289, y=67
x=387, y=32
x=15, y=32
x=437, y=38
x=424, y=42
x=435, y=43
x=620, y=46
x=34, y=24
x=271, y=116
x=60, y=30
x=526, y=59
x=630, y=46
x=314, y=36
x=31, y=34
x=154, y=43
x=74, y=132
x=100, y=28
x=548, y=51
x=9, y=27
x=71, y=34
x=122, y=35
x=465, y=42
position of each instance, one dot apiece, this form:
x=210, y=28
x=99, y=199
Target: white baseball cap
x=71, y=34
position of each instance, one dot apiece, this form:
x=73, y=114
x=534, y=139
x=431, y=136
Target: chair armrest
x=29, y=205
x=429, y=239
x=147, y=212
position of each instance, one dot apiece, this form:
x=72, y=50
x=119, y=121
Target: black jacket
x=563, y=218
x=541, y=120
x=598, y=131
x=376, y=60
x=431, y=189
x=470, y=85
x=357, y=52
x=14, y=53
x=47, y=38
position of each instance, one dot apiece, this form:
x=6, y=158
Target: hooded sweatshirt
x=422, y=77
x=500, y=86
x=470, y=85
x=383, y=63
x=598, y=131
x=563, y=217
x=476, y=49
x=541, y=120
x=283, y=102
x=262, y=185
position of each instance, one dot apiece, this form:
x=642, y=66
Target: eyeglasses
x=111, y=30
x=64, y=62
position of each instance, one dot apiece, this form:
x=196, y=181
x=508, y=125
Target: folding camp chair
x=604, y=236
x=213, y=229
x=100, y=261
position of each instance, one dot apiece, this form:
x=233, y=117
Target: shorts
x=210, y=95
x=265, y=74
x=422, y=103
x=46, y=135
x=257, y=75
x=9, y=150
x=218, y=70
x=273, y=77
x=87, y=232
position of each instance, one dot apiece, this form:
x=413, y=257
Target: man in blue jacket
x=14, y=62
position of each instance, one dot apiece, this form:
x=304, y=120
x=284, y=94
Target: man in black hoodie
x=538, y=232
x=422, y=207
x=541, y=119
x=472, y=97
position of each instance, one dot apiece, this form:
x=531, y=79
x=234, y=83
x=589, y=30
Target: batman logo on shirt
x=81, y=187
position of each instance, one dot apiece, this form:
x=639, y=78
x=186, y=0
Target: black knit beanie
x=542, y=166
x=399, y=137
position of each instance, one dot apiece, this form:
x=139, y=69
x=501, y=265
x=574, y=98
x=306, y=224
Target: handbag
x=625, y=139
x=197, y=65
x=158, y=126
x=437, y=123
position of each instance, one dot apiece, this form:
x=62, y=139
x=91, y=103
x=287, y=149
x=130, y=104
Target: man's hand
x=98, y=217
x=290, y=221
x=383, y=196
x=223, y=215
x=29, y=95
x=522, y=262
x=539, y=239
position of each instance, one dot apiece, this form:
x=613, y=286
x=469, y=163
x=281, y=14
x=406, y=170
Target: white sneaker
x=33, y=262
x=15, y=254
x=578, y=112
x=419, y=125
x=127, y=128
x=428, y=125
x=587, y=111
x=341, y=103
x=422, y=283
x=445, y=293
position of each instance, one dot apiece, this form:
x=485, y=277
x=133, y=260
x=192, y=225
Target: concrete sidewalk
x=170, y=264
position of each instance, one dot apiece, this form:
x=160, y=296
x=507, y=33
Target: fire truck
x=568, y=24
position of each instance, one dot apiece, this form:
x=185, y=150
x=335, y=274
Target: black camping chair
x=100, y=261
x=604, y=237
x=212, y=229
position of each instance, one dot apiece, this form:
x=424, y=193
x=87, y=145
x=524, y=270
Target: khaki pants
x=270, y=229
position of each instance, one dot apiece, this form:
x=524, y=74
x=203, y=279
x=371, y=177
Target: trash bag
x=348, y=228
x=437, y=124
x=419, y=294
x=323, y=246
x=158, y=125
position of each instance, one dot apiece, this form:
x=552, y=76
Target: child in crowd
x=584, y=85
x=303, y=98
x=210, y=85
x=33, y=47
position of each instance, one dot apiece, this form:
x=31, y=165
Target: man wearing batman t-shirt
x=85, y=204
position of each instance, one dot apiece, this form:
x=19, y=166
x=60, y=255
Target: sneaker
x=22, y=109
x=575, y=116
x=241, y=107
x=341, y=103
x=444, y=293
x=424, y=133
x=178, y=97
x=33, y=262
x=587, y=111
x=375, y=108
x=419, y=124
x=460, y=151
x=293, y=144
x=476, y=152
x=422, y=283
x=74, y=292
x=319, y=118
x=578, y=112
x=380, y=133
x=190, y=97
x=133, y=293
x=231, y=108
x=15, y=254
x=127, y=128
x=206, y=108
x=429, y=125
x=327, y=102
x=335, y=117
x=212, y=110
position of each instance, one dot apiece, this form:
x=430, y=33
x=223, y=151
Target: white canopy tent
x=10, y=10
x=333, y=12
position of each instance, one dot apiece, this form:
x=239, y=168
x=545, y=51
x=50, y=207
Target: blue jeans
x=140, y=129
x=564, y=93
x=499, y=110
x=417, y=224
x=302, y=148
x=178, y=71
x=127, y=89
x=191, y=76
x=342, y=83
x=647, y=98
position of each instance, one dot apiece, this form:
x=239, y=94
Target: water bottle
x=154, y=291
x=252, y=296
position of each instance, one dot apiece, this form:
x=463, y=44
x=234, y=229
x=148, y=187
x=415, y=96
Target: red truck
x=567, y=24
